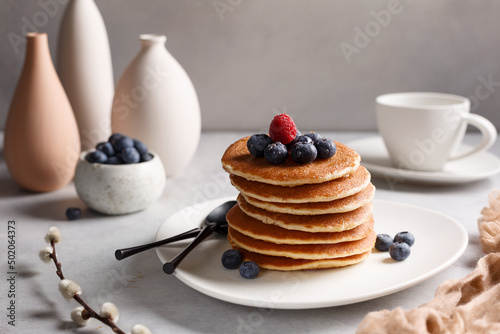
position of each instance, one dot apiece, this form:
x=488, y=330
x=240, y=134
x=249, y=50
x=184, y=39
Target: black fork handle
x=120, y=254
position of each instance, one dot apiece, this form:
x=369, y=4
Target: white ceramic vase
x=85, y=69
x=155, y=102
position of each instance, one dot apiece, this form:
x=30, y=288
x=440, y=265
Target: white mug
x=422, y=131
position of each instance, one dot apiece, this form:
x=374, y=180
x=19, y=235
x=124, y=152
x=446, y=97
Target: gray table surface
x=144, y=294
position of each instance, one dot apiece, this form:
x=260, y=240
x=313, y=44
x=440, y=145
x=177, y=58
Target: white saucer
x=375, y=158
x=377, y=276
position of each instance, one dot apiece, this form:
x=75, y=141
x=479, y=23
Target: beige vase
x=41, y=144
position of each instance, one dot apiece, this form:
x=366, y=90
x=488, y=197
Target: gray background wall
x=251, y=59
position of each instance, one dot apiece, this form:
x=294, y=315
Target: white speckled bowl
x=119, y=189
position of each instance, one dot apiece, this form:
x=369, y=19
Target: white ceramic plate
x=377, y=276
x=375, y=158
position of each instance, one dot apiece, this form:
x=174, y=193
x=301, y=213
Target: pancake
x=287, y=264
x=308, y=252
x=255, y=229
x=237, y=160
x=346, y=204
x=335, y=222
x=320, y=192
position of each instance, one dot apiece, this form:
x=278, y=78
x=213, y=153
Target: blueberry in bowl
x=122, y=183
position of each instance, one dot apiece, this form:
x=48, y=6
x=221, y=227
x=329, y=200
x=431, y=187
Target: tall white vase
x=155, y=102
x=85, y=69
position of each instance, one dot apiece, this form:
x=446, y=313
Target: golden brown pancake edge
x=308, y=252
x=332, y=222
x=237, y=160
x=345, y=204
x=241, y=222
x=319, y=192
x=288, y=264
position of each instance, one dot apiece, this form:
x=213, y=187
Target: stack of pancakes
x=300, y=216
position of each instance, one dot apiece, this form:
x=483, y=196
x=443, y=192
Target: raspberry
x=282, y=129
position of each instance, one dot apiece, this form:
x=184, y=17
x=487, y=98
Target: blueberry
x=304, y=153
x=114, y=160
x=96, y=157
x=314, y=136
x=73, y=213
x=405, y=237
x=303, y=139
x=107, y=148
x=383, y=242
x=121, y=143
x=399, y=250
x=249, y=269
x=326, y=148
x=114, y=136
x=231, y=259
x=146, y=157
x=257, y=143
x=290, y=144
x=140, y=146
x=130, y=155
x=276, y=153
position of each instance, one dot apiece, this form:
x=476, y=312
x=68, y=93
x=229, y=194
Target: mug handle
x=488, y=131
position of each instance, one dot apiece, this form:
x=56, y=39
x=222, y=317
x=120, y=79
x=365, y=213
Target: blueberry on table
x=405, y=237
x=107, y=148
x=304, y=153
x=326, y=148
x=122, y=142
x=249, y=270
x=73, y=213
x=140, y=146
x=96, y=157
x=257, y=143
x=231, y=259
x=383, y=242
x=399, y=250
x=130, y=155
x=314, y=136
x=276, y=153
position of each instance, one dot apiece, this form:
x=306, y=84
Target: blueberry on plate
x=405, y=237
x=146, y=157
x=257, y=143
x=122, y=142
x=130, y=155
x=399, y=250
x=140, y=146
x=326, y=148
x=304, y=153
x=96, y=157
x=73, y=213
x=231, y=259
x=107, y=148
x=249, y=269
x=114, y=160
x=314, y=136
x=276, y=153
x=383, y=242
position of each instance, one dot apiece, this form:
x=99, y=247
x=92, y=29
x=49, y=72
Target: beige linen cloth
x=467, y=305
